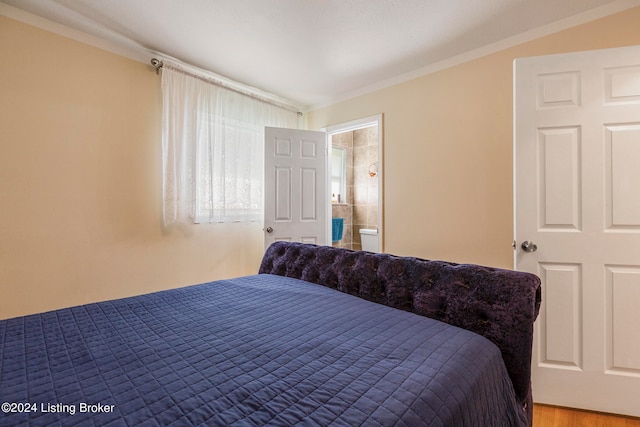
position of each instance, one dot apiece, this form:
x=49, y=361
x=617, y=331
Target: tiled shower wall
x=360, y=209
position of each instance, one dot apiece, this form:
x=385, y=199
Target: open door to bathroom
x=361, y=205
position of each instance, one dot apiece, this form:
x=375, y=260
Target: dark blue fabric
x=499, y=304
x=257, y=350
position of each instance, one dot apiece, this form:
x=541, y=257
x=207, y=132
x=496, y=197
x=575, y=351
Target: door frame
x=364, y=122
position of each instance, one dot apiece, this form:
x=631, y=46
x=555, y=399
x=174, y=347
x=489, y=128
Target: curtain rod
x=158, y=64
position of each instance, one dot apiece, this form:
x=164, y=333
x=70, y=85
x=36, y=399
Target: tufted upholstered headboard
x=499, y=304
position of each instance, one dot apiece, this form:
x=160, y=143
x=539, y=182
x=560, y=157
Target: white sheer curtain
x=213, y=150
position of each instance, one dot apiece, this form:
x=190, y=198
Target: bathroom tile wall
x=365, y=186
x=360, y=207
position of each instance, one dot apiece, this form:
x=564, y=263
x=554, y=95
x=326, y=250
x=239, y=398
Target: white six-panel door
x=577, y=199
x=296, y=199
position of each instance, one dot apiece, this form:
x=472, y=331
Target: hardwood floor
x=553, y=416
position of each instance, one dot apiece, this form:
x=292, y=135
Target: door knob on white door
x=269, y=230
x=528, y=246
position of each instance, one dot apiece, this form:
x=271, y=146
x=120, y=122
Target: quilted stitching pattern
x=498, y=304
x=258, y=350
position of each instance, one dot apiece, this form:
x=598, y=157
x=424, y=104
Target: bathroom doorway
x=356, y=186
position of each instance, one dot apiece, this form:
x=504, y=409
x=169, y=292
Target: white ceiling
x=315, y=52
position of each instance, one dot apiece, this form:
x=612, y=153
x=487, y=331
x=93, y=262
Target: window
x=213, y=150
x=338, y=175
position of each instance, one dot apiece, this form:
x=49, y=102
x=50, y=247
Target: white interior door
x=577, y=198
x=296, y=198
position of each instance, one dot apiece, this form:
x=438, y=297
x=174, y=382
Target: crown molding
x=554, y=27
x=128, y=50
x=132, y=50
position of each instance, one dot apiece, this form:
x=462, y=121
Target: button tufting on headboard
x=496, y=303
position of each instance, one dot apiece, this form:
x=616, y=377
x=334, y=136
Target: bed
x=320, y=336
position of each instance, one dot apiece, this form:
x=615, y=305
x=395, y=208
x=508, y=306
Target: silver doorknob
x=269, y=230
x=528, y=246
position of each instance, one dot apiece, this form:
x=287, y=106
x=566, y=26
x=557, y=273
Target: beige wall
x=80, y=169
x=448, y=148
x=80, y=182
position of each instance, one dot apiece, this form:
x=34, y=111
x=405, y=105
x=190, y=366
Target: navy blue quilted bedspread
x=256, y=350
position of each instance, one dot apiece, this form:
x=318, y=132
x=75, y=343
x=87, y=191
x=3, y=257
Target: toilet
x=369, y=239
